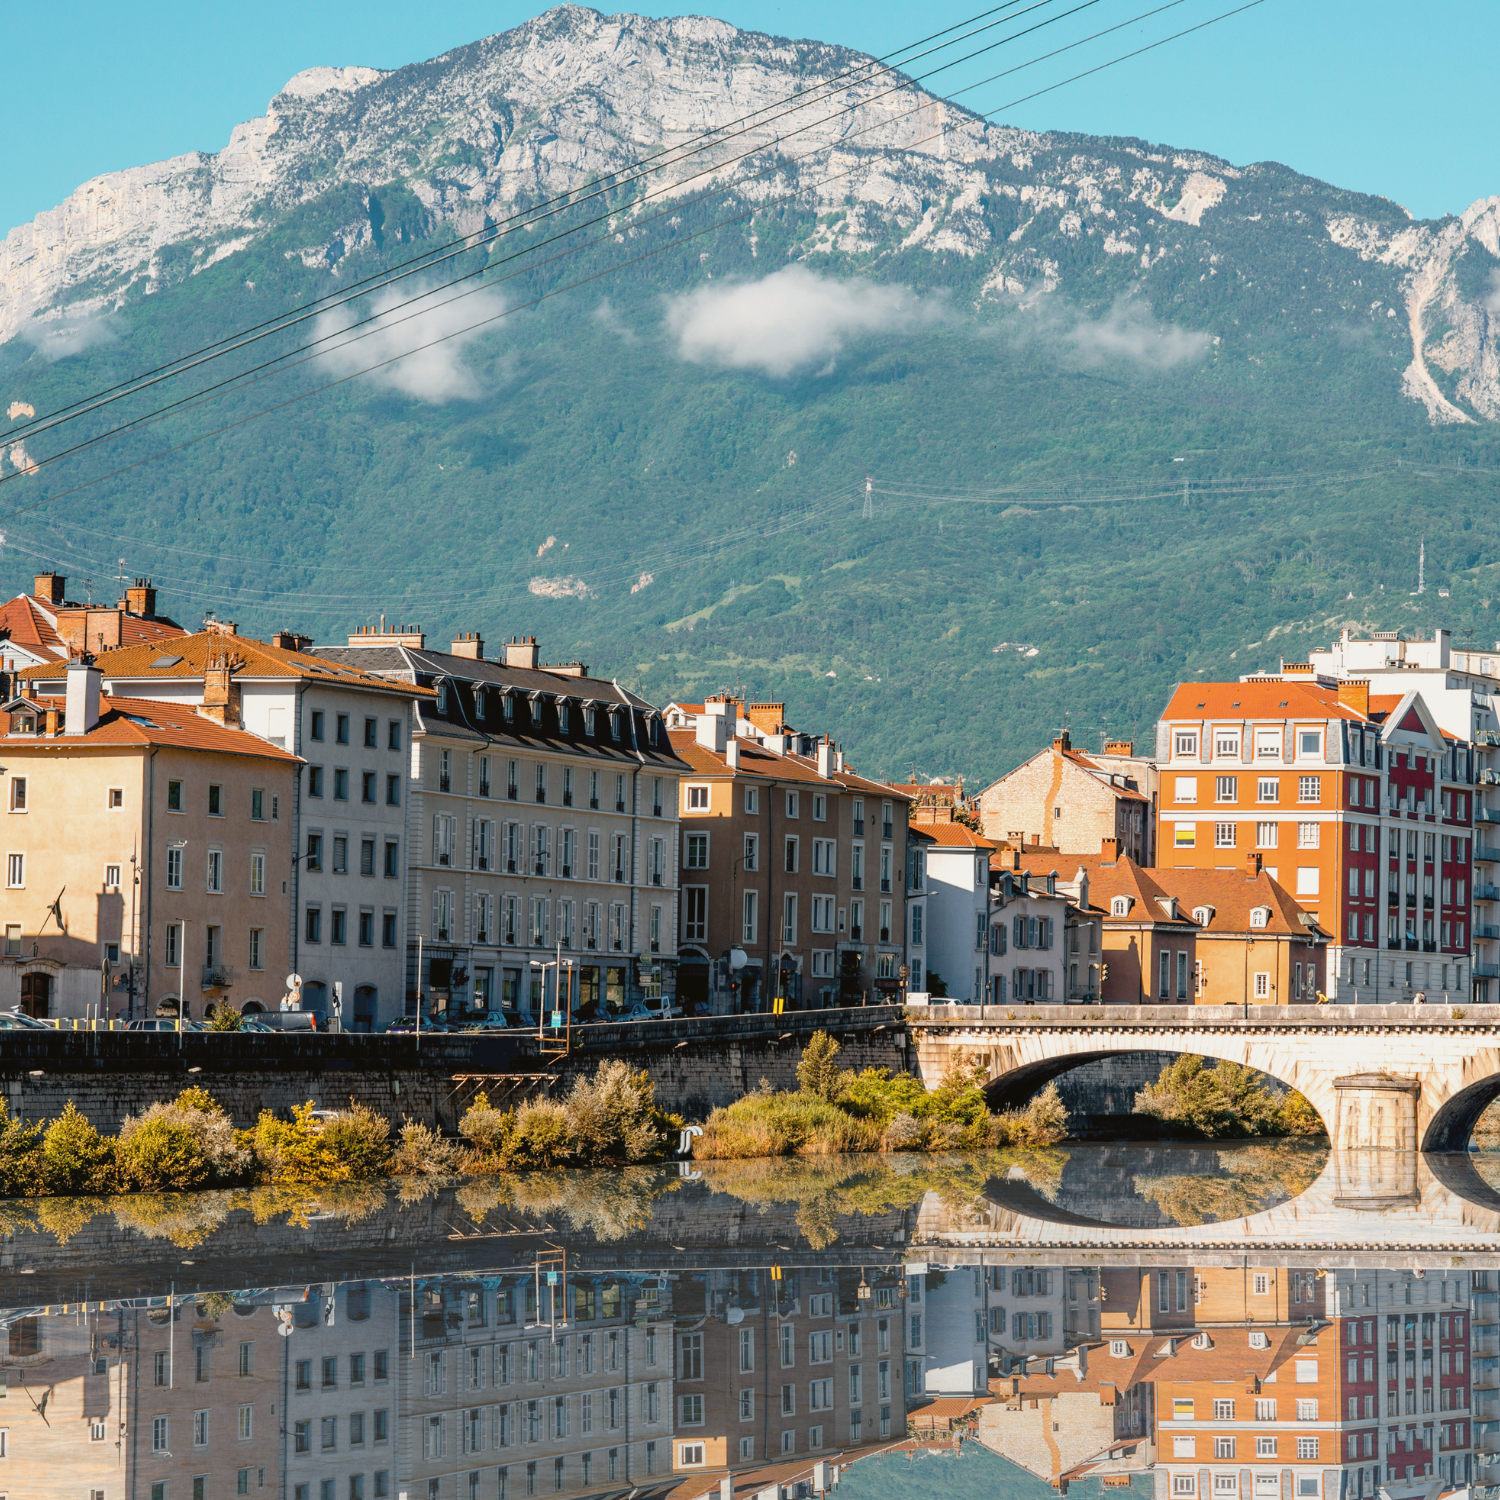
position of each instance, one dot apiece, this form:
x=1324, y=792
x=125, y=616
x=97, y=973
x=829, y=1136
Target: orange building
x=1358, y=807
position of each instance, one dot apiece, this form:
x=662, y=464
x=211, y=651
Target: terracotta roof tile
x=22, y=621
x=755, y=761
x=1257, y=700
x=953, y=835
x=154, y=721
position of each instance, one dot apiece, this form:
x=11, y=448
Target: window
x=314, y=929
x=1224, y=835
x=392, y=791
x=697, y=799
x=1226, y=788
x=1187, y=789
x=791, y=805
x=1265, y=835
x=1309, y=788
x=1223, y=1447
x=789, y=918
x=691, y=1409
x=15, y=871
x=174, y=795
x=748, y=924
x=697, y=851
x=1307, y=1447
x=1310, y=742
x=1307, y=835
x=1185, y=836
x=216, y=871
x=690, y=1455
x=257, y=874
x=1185, y=743
x=695, y=913
x=791, y=856
x=257, y=950
x=1307, y=880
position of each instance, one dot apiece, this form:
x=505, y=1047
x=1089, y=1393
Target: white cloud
x=607, y=317
x=1128, y=334
x=789, y=321
x=57, y=337
x=434, y=324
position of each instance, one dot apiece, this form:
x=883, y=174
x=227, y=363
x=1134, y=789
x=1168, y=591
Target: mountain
x=1129, y=413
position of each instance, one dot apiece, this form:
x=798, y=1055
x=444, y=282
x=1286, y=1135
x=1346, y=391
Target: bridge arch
x=1378, y=1076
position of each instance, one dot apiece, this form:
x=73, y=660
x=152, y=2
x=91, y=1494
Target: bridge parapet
x=1474, y=1018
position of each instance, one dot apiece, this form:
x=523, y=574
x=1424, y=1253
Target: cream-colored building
x=542, y=821
x=147, y=852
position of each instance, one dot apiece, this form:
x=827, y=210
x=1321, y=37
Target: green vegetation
x=836, y=1112
x=1246, y=1182
x=192, y=1144
x=1224, y=1100
x=1075, y=504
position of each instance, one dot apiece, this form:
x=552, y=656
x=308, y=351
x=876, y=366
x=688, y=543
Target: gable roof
x=186, y=658
x=954, y=836
x=1078, y=761
x=155, y=721
x=24, y=622
x=1277, y=699
x=1232, y=895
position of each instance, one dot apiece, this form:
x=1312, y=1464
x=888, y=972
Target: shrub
x=488, y=1130
x=818, y=1071
x=1043, y=1122
x=21, y=1170
x=212, y=1131
x=224, y=1017
x=75, y=1157
x=543, y=1135
x=360, y=1140
x=1298, y=1117
x=904, y=1133
x=874, y=1094
x=782, y=1124
x=160, y=1153
x=1225, y=1100
x=422, y=1152
x=613, y=1117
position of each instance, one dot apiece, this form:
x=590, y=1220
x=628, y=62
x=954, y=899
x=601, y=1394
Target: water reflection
x=755, y=1335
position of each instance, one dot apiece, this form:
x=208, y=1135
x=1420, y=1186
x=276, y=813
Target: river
x=1263, y=1321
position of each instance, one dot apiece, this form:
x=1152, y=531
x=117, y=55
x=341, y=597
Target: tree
x=818, y=1071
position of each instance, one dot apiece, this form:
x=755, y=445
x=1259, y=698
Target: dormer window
x=509, y=710
x=536, y=712
x=442, y=698
x=1120, y=906
x=1203, y=915
x=1260, y=916
x=1202, y=1341
x=614, y=726
x=479, y=696
x=1185, y=743
x=562, y=718
x=588, y=722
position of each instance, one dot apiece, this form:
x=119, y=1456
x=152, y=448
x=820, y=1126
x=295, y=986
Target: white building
x=948, y=931
x=1460, y=689
x=543, y=819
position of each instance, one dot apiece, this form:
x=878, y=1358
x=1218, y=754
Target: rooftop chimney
x=1119, y=747
x=522, y=653
x=470, y=645
x=1062, y=742
x=368, y=635
x=212, y=626
x=732, y=754
x=767, y=717
x=1252, y=866
x=716, y=724
x=83, y=696
x=221, y=694
x=50, y=588
x=1109, y=851
x=51, y=721
x=1355, y=694
x=825, y=757
x=140, y=599
x=289, y=640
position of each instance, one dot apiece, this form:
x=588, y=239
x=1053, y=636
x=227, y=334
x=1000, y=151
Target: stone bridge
x=1397, y=1077
x=1393, y=1209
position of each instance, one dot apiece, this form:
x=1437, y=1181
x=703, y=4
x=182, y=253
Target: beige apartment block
x=147, y=856
x=1064, y=800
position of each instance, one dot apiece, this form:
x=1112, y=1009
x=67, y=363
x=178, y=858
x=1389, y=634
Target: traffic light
x=1103, y=972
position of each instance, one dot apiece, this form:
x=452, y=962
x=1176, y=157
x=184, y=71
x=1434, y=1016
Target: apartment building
x=1043, y=939
x=774, y=1371
x=1405, y=1341
x=1067, y=800
x=45, y=626
x=147, y=848
x=543, y=816
x=948, y=905
x=791, y=860
x=1459, y=687
x=1329, y=787
x=346, y=914
x=520, y=1386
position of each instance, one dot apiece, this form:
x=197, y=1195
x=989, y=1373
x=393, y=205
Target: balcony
x=619, y=877
x=1486, y=971
x=885, y=883
x=510, y=867
x=484, y=789
x=656, y=880
x=1486, y=892
x=513, y=793
x=1429, y=946
x=567, y=872
x=1486, y=815
x=445, y=783
x=656, y=810
x=1411, y=944
x=541, y=794
x=885, y=934
x=854, y=933
x=567, y=799
x=857, y=882
x=594, y=803
x=217, y=976
x=1485, y=853
x=619, y=804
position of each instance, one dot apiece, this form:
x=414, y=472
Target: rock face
x=462, y=140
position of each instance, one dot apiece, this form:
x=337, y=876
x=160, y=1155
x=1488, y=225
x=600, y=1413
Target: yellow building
x=147, y=857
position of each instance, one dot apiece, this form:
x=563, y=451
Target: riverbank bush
x=836, y=1111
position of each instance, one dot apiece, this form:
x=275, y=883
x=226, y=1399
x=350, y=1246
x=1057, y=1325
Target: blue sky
x=1386, y=96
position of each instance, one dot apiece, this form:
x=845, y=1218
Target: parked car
x=640, y=1011
x=409, y=1023
x=18, y=1020
x=163, y=1023
x=495, y=1021
x=287, y=1020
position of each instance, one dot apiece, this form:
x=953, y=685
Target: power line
x=525, y=219
x=483, y=322
x=383, y=321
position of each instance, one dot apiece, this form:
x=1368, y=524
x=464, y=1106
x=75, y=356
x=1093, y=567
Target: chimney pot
x=732, y=755
x=1109, y=851
x=1062, y=742
x=522, y=653
x=82, y=703
x=1252, y=866
x=1355, y=694
x=140, y=599
x=469, y=645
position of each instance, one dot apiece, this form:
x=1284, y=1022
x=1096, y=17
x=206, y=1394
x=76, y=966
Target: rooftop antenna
x=868, y=514
x=88, y=584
